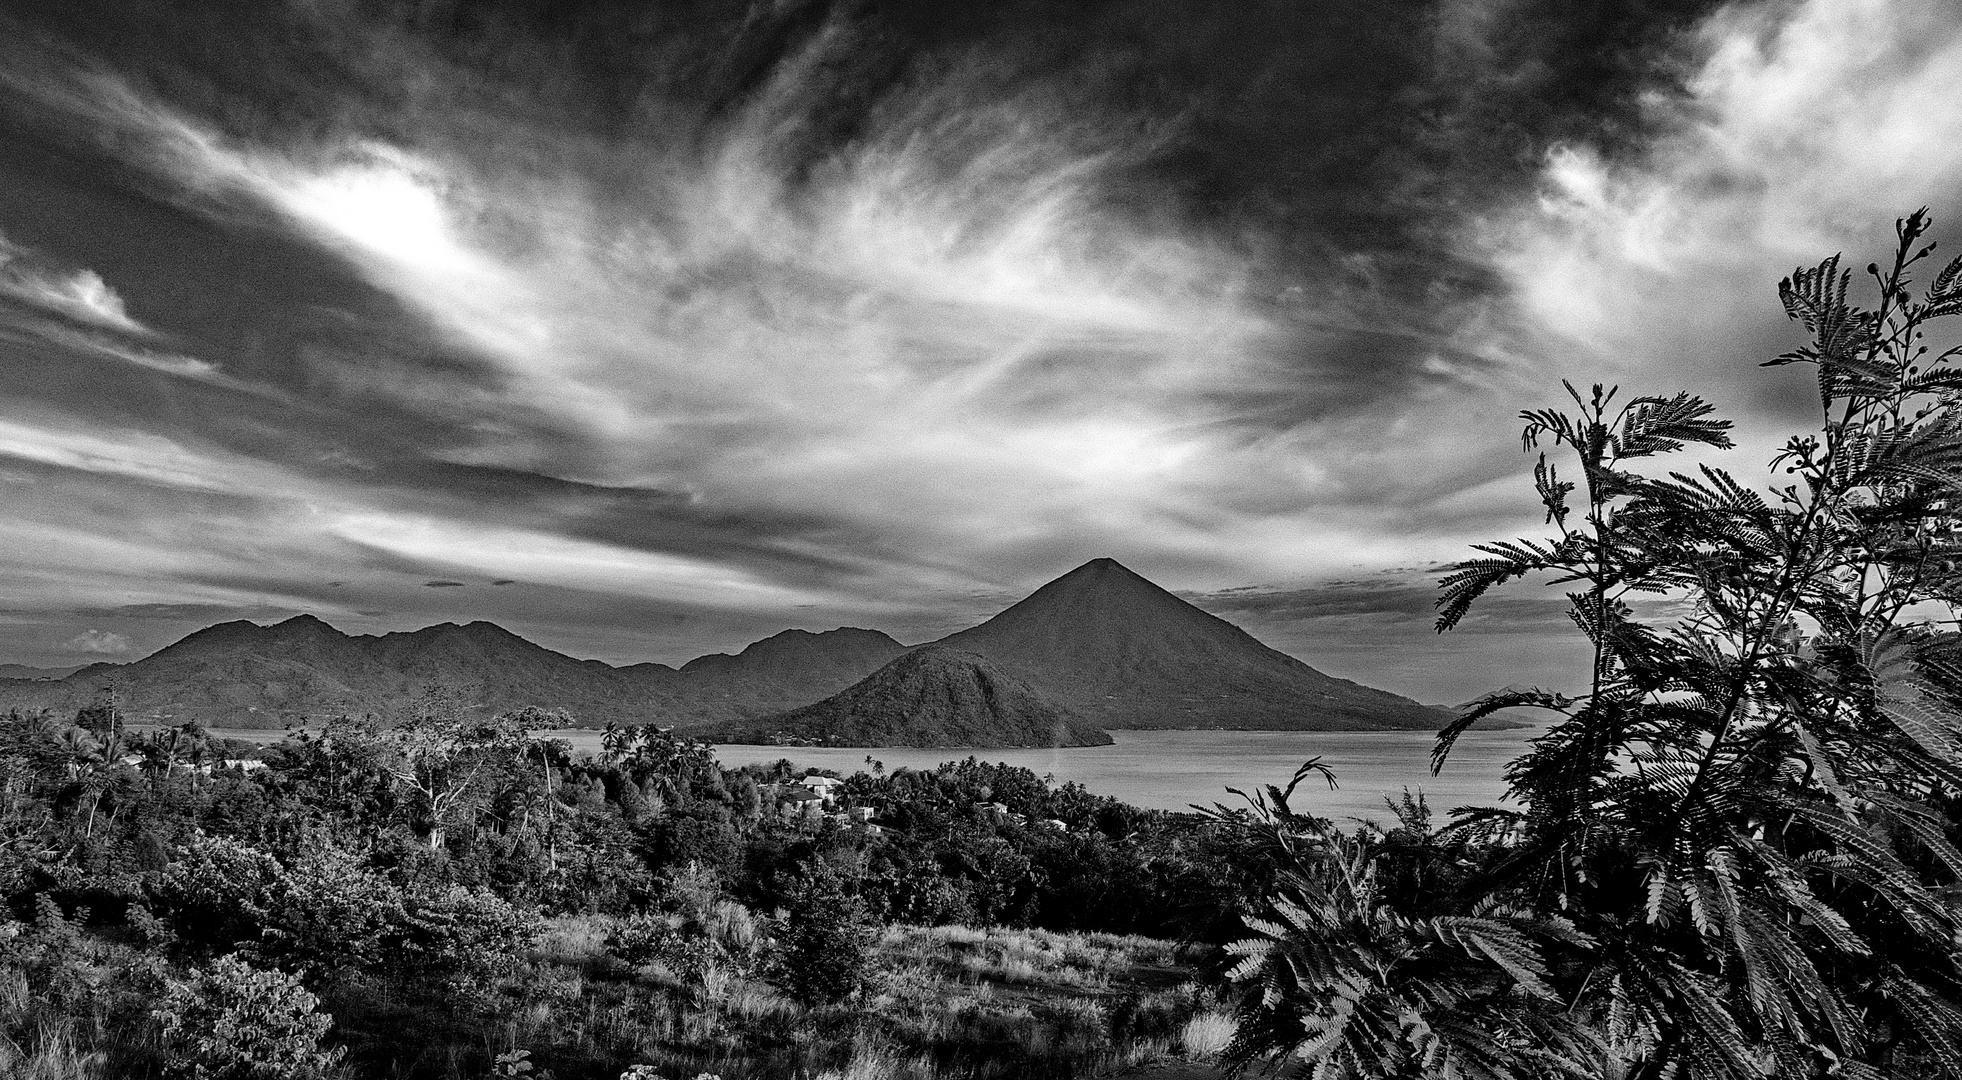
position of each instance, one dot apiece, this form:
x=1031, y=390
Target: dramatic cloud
x=1807, y=129
x=684, y=327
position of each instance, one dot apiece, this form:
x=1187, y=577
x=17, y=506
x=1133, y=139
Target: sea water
x=1173, y=770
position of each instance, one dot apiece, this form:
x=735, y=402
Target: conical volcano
x=936, y=696
x=1121, y=652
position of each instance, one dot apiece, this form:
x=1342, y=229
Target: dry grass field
x=944, y=1003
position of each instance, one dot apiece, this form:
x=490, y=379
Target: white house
x=825, y=786
x=808, y=804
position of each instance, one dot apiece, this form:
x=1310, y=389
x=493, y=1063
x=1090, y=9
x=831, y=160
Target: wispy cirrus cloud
x=551, y=560
x=133, y=455
x=940, y=325
x=78, y=294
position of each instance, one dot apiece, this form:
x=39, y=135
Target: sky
x=649, y=329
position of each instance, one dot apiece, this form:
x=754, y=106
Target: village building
x=805, y=804
x=824, y=786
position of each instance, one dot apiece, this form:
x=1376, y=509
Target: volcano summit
x=1119, y=651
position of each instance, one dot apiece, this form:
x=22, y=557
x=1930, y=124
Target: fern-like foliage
x=1749, y=812
x=1339, y=981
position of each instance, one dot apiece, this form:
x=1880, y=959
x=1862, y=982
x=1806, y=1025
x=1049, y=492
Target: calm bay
x=1171, y=770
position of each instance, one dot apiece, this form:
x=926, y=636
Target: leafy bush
x=692, y=948
x=823, y=942
x=233, y=1021
x=330, y=914
x=215, y=892
x=325, y=912
x=461, y=933
x=516, y=1065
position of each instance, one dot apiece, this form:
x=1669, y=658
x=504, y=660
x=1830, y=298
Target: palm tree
x=166, y=747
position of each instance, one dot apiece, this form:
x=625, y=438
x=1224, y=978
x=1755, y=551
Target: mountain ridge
x=245, y=674
x=1100, y=645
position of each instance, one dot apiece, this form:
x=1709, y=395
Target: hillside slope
x=934, y=696
x=242, y=674
x=782, y=671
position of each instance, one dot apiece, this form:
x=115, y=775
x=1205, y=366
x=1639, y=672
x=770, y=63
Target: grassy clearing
x=946, y=1003
x=1035, y=958
x=943, y=1003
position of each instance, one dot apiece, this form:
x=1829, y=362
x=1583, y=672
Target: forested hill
x=1101, y=646
x=241, y=674
x=935, y=696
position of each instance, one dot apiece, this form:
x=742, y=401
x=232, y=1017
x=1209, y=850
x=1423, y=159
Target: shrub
x=823, y=941
x=215, y=892
x=516, y=1065
x=233, y=1021
x=326, y=912
x=462, y=933
x=689, y=949
x=333, y=915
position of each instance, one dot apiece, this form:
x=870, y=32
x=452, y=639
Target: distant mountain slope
x=241, y=674
x=1100, y=643
x=783, y=671
x=1121, y=652
x=22, y=671
x=935, y=696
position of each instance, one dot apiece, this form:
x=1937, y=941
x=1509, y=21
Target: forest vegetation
x=1733, y=852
